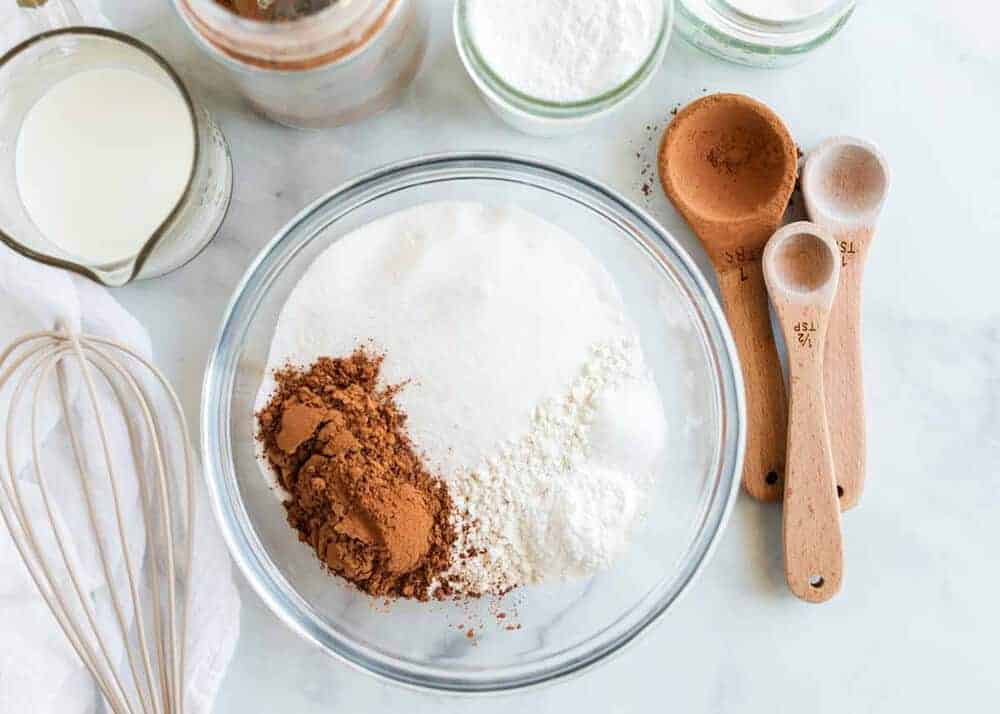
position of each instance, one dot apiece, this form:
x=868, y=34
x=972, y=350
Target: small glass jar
x=541, y=117
x=333, y=67
x=721, y=28
x=29, y=70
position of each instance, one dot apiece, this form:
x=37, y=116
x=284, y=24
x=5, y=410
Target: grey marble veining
x=916, y=625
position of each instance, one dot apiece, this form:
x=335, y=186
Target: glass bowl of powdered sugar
x=549, y=67
x=472, y=423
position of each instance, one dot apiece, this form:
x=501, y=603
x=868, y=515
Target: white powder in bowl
x=527, y=389
x=781, y=10
x=564, y=50
x=561, y=501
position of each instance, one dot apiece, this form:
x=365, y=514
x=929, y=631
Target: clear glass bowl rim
x=220, y=375
x=491, y=83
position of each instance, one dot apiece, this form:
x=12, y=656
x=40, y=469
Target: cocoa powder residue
x=359, y=493
x=727, y=158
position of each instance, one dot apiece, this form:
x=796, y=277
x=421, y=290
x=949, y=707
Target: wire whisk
x=105, y=531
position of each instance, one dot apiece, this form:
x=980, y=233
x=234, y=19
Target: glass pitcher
x=63, y=47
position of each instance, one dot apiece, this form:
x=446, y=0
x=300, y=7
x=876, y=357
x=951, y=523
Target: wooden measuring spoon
x=728, y=164
x=844, y=183
x=802, y=267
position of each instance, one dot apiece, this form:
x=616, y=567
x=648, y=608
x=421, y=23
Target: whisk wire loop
x=150, y=631
x=31, y=553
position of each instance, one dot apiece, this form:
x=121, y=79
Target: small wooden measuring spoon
x=802, y=267
x=728, y=163
x=844, y=183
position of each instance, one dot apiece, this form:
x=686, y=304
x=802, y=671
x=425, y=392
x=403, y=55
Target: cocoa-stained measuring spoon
x=802, y=267
x=728, y=164
x=844, y=183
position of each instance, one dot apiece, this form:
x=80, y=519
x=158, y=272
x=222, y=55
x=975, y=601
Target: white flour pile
x=561, y=501
x=528, y=393
x=565, y=50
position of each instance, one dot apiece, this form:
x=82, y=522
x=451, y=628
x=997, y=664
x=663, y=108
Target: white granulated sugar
x=565, y=50
x=527, y=389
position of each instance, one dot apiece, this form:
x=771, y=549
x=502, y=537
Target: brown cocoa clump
x=276, y=10
x=360, y=495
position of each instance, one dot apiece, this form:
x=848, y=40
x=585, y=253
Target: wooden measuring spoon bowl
x=801, y=268
x=728, y=164
x=844, y=183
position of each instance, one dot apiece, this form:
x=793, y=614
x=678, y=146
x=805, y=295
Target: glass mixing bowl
x=564, y=628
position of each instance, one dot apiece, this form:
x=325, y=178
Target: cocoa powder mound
x=360, y=495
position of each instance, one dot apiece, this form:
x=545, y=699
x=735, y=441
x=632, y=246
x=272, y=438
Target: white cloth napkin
x=39, y=673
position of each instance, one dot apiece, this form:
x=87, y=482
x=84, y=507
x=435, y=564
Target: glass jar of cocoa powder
x=313, y=63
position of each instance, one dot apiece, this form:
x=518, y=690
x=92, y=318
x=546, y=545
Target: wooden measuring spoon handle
x=845, y=392
x=744, y=297
x=814, y=551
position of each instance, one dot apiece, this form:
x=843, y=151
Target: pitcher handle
x=45, y=15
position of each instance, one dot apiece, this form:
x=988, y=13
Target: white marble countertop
x=917, y=622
